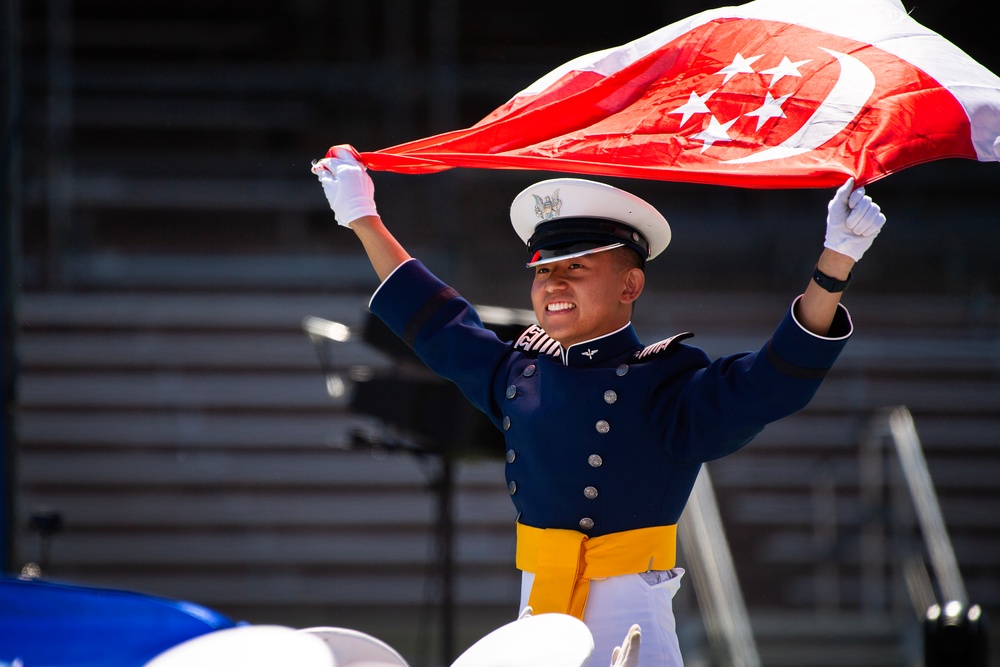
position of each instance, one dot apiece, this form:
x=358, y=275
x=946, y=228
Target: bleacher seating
x=192, y=449
x=174, y=413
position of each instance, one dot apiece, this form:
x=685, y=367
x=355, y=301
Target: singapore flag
x=770, y=94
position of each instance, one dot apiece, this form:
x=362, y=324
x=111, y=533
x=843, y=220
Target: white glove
x=852, y=222
x=347, y=186
x=627, y=655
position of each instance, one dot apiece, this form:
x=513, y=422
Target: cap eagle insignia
x=548, y=208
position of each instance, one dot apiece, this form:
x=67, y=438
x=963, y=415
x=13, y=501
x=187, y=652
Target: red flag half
x=770, y=94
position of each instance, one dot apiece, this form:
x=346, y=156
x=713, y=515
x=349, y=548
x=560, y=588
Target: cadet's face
x=582, y=298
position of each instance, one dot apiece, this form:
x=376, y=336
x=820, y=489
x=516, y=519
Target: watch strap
x=830, y=284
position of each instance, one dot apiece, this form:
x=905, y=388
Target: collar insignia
x=590, y=353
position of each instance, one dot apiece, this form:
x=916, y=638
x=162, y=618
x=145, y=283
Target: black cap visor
x=575, y=237
x=548, y=255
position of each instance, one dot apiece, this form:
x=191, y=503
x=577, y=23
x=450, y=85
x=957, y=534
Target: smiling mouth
x=559, y=306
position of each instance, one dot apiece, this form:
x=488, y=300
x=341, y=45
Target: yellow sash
x=565, y=561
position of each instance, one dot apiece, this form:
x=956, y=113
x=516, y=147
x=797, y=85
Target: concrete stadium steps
x=834, y=640
x=173, y=410
x=166, y=524
x=777, y=495
x=195, y=419
x=940, y=357
x=209, y=125
x=188, y=440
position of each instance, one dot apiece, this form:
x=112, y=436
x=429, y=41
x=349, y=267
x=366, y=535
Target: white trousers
x=616, y=603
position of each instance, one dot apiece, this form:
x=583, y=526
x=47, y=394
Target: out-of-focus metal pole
x=10, y=182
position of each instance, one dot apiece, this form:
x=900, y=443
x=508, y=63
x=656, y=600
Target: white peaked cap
x=566, y=211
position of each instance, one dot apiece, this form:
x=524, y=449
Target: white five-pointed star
x=695, y=104
x=770, y=109
x=715, y=132
x=786, y=68
x=740, y=65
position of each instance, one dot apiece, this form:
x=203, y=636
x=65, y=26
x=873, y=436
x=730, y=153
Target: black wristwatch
x=830, y=284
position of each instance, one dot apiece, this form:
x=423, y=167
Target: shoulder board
x=662, y=348
x=534, y=340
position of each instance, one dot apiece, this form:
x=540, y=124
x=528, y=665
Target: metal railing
x=895, y=477
x=707, y=555
x=901, y=521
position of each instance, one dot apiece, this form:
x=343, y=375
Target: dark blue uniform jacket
x=607, y=435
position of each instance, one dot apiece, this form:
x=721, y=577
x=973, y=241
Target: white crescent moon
x=854, y=86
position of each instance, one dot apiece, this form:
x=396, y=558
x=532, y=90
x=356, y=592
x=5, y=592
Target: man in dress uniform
x=605, y=436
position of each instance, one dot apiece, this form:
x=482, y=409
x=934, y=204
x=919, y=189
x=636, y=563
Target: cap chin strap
x=536, y=261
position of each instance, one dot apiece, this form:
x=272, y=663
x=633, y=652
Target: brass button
x=602, y=426
x=511, y=391
x=586, y=523
x=590, y=492
x=595, y=460
x=512, y=487
x=528, y=371
x=511, y=456
x=621, y=370
x=506, y=423
x=610, y=396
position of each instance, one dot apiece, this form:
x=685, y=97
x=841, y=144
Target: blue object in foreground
x=60, y=625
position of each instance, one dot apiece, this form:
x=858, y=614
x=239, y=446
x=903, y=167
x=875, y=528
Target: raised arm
x=351, y=194
x=853, y=221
